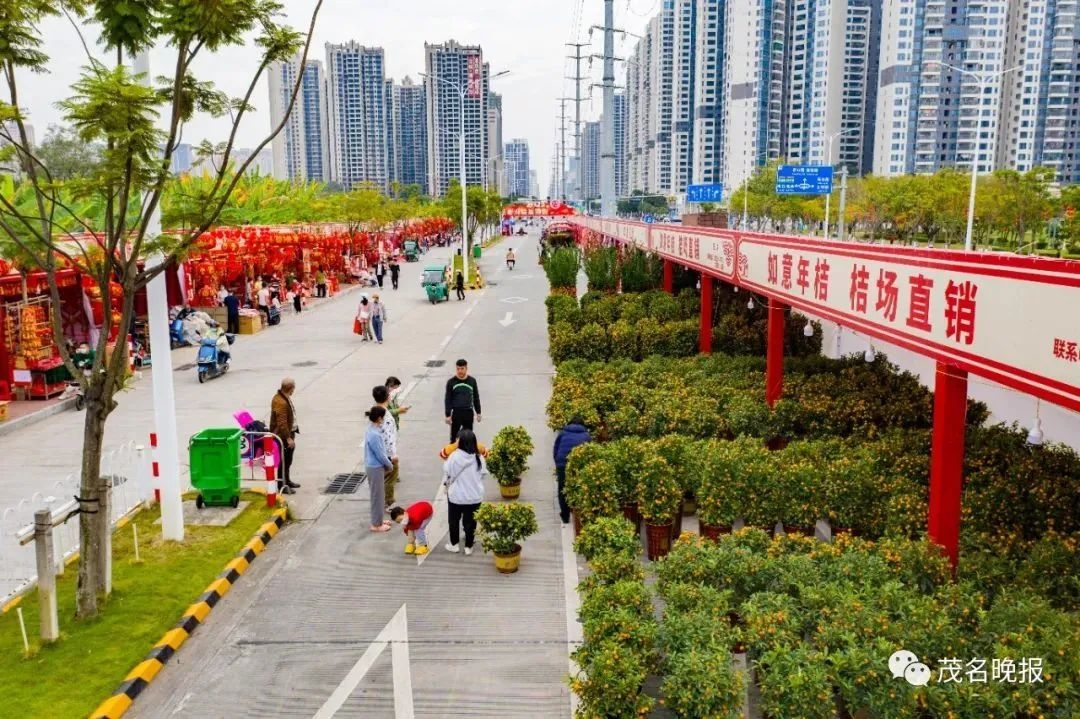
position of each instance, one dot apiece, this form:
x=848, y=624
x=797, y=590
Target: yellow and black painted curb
x=145, y=671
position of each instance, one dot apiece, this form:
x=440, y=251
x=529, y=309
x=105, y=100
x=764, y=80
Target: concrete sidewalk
x=337, y=621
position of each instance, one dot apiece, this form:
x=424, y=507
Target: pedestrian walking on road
x=381, y=395
x=376, y=464
x=459, y=285
x=378, y=316
x=572, y=435
x=415, y=520
x=462, y=400
x=283, y=424
x=363, y=314
x=320, y=282
x=511, y=258
x=263, y=298
x=395, y=270
x=463, y=475
x=380, y=272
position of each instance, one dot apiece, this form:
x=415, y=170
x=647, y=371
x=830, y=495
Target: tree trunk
x=94, y=520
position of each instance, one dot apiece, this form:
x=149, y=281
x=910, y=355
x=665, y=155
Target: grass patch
x=73, y=676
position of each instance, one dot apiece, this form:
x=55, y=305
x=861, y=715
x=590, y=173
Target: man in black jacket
x=462, y=398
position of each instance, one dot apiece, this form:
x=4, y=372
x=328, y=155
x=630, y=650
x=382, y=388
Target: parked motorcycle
x=212, y=360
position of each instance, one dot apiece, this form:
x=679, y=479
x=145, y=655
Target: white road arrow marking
x=395, y=633
x=508, y=320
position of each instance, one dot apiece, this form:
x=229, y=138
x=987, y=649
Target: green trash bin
x=476, y=252
x=214, y=457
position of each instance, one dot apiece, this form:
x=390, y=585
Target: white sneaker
x=453, y=548
x=468, y=551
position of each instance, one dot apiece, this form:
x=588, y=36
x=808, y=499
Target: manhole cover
x=185, y=367
x=435, y=363
x=344, y=483
x=308, y=363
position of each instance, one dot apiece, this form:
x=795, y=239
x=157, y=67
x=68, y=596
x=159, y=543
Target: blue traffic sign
x=648, y=219
x=704, y=193
x=804, y=180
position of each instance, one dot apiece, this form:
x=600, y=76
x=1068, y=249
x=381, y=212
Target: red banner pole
x=705, y=333
x=669, y=276
x=774, y=352
x=947, y=459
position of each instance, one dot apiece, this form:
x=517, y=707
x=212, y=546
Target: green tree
x=484, y=207
x=111, y=106
x=65, y=155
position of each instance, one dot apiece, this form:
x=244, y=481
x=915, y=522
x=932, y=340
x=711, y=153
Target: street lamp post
x=462, y=90
x=828, y=158
x=983, y=80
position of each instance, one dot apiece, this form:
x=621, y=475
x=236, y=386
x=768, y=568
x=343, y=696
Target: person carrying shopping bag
x=363, y=314
x=463, y=475
x=377, y=463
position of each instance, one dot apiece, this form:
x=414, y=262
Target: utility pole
x=562, y=142
x=578, y=193
x=607, y=120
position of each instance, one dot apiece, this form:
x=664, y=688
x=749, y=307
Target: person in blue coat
x=572, y=435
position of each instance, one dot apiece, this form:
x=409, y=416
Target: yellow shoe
x=421, y=549
x=410, y=548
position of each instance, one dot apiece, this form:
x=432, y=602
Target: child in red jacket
x=414, y=520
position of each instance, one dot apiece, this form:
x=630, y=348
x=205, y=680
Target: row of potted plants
x=819, y=622
x=619, y=327
x=724, y=397
x=501, y=527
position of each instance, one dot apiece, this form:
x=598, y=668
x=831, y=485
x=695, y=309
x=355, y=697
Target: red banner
x=474, y=76
x=538, y=209
x=996, y=315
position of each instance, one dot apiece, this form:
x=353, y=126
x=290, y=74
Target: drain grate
x=435, y=363
x=345, y=483
x=308, y=363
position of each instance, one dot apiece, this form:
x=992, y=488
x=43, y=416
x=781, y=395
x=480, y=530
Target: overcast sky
x=526, y=37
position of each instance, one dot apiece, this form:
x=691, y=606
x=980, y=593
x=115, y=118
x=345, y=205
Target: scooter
x=210, y=363
x=176, y=333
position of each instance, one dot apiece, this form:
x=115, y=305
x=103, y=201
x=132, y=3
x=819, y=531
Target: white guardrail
x=127, y=465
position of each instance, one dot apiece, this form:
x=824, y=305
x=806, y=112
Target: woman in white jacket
x=463, y=475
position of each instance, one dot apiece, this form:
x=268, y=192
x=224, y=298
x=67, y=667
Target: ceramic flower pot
x=630, y=511
x=577, y=525
x=510, y=491
x=508, y=563
x=713, y=531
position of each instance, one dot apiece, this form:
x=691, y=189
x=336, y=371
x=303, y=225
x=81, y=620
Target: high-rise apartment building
x=456, y=73
x=301, y=150
x=534, y=184
x=709, y=97
x=288, y=146
x=1040, y=126
x=832, y=70
x=590, y=161
x=516, y=156
x=640, y=100
x=620, y=127
x=357, y=115
x=754, y=53
x=183, y=157
x=933, y=116
x=495, y=178
x=393, y=157
x=683, y=76
x=410, y=134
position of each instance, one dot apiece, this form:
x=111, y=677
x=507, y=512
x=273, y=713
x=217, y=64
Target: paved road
x=329, y=601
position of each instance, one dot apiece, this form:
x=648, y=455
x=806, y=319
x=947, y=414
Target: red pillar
x=669, y=276
x=947, y=458
x=774, y=354
x=705, y=334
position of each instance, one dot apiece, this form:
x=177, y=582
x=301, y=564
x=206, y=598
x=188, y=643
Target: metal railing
x=126, y=465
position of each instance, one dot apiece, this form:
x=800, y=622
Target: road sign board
x=804, y=180
x=649, y=219
x=704, y=193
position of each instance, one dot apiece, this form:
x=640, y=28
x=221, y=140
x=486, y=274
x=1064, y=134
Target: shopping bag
x=356, y=326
